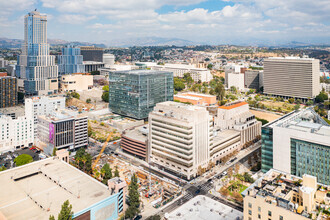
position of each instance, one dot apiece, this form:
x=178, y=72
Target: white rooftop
x=204, y=208
x=28, y=191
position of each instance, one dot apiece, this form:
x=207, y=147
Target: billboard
x=51, y=133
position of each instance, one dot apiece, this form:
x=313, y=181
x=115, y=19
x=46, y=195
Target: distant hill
x=151, y=41
x=16, y=43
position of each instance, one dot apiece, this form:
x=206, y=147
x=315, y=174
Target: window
x=250, y=205
x=281, y=217
x=259, y=209
x=250, y=218
x=269, y=213
x=250, y=212
x=259, y=216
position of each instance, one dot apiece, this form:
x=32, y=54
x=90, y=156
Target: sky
x=246, y=22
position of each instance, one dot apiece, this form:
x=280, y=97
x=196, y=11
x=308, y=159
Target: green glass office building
x=134, y=93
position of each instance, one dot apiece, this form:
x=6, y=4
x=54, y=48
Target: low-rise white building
x=76, y=82
x=15, y=133
x=236, y=80
x=43, y=105
x=238, y=117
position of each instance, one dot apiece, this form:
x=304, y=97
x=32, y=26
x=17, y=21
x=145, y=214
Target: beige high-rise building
x=180, y=137
x=292, y=77
x=279, y=195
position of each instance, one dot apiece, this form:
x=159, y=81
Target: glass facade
x=266, y=149
x=310, y=158
x=35, y=65
x=135, y=93
x=71, y=61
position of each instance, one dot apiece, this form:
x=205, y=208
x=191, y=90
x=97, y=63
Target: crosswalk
x=207, y=187
x=187, y=196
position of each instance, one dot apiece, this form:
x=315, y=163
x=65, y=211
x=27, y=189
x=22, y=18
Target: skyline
x=250, y=22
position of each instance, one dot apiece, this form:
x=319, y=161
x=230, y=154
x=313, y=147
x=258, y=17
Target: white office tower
x=108, y=59
x=35, y=66
x=179, y=137
x=43, y=105
x=292, y=77
x=15, y=133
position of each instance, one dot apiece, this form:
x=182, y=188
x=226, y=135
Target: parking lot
x=7, y=159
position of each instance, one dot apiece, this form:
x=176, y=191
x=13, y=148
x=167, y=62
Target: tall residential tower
x=35, y=67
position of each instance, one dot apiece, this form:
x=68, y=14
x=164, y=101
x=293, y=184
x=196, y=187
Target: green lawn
x=242, y=188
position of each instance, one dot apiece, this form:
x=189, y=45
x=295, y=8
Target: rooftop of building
x=54, y=98
x=306, y=120
x=233, y=105
x=197, y=95
x=19, y=110
x=139, y=133
x=224, y=135
x=181, y=106
x=28, y=191
x=141, y=72
x=92, y=63
x=62, y=114
x=290, y=58
x=278, y=188
x=187, y=97
x=204, y=208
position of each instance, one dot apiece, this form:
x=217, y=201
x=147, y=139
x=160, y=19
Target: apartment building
x=292, y=77
x=15, y=133
x=180, y=137
x=42, y=105
x=238, y=117
x=64, y=129
x=279, y=195
x=297, y=143
x=8, y=91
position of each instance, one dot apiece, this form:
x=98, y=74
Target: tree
x=210, y=66
x=66, y=212
x=224, y=191
x=95, y=72
x=134, y=198
x=105, y=88
x=291, y=100
x=321, y=97
x=75, y=95
x=2, y=168
x=187, y=77
x=230, y=172
x=233, y=89
x=212, y=92
x=23, y=159
x=54, y=152
x=88, y=101
x=51, y=217
x=296, y=107
x=83, y=160
x=309, y=102
x=237, y=168
x=116, y=172
x=220, y=91
x=178, y=84
x=106, y=173
x=105, y=96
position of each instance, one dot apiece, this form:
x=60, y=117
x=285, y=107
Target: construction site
x=154, y=191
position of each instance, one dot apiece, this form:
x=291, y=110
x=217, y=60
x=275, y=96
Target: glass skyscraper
x=71, y=61
x=35, y=66
x=135, y=93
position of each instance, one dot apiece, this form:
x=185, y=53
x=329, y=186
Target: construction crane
x=102, y=150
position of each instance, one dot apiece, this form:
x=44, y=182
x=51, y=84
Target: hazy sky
x=212, y=21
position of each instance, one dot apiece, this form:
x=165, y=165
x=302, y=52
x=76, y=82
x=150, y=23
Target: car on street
x=224, y=173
